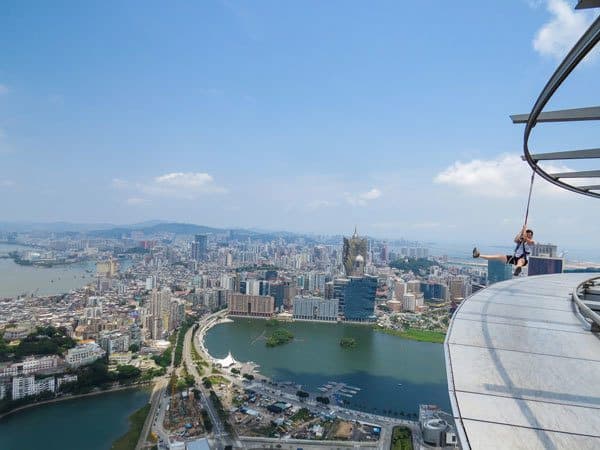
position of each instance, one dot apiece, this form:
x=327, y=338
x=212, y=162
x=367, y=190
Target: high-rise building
x=498, y=271
x=433, y=291
x=252, y=287
x=355, y=255
x=315, y=308
x=283, y=292
x=548, y=250
x=456, y=288
x=108, y=268
x=251, y=305
x=413, y=286
x=356, y=297
x=159, y=320
x=199, y=247
x=384, y=253
x=263, y=287
x=409, y=302
x=151, y=282
x=544, y=266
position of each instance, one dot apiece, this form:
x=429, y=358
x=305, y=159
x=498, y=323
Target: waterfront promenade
x=288, y=394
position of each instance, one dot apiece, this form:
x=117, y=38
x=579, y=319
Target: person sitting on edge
x=524, y=241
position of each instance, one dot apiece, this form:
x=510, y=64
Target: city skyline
x=261, y=116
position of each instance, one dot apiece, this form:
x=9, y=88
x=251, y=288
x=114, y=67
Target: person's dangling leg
x=502, y=258
x=519, y=266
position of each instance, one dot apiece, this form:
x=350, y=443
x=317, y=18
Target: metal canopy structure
x=585, y=4
x=563, y=179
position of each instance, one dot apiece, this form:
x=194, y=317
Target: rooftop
x=523, y=367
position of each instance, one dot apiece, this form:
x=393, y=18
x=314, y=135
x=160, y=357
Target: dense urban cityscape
x=148, y=297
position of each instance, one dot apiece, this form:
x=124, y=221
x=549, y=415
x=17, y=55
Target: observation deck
x=523, y=365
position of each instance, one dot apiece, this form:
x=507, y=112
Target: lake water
x=378, y=364
x=91, y=423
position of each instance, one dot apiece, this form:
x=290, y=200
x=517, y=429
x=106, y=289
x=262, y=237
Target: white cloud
x=534, y=3
x=371, y=195
x=6, y=183
x=3, y=89
x=363, y=198
x=135, y=201
x=186, y=185
x=507, y=176
x=566, y=26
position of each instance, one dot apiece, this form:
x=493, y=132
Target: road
x=220, y=435
x=155, y=400
x=386, y=423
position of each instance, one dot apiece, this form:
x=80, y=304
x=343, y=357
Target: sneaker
x=476, y=253
x=517, y=271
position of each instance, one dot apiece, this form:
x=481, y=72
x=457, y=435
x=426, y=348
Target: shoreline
x=74, y=397
x=432, y=337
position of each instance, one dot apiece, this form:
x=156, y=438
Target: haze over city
x=289, y=116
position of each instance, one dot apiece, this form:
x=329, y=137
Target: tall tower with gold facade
x=355, y=255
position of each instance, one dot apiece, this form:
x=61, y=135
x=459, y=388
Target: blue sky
x=303, y=116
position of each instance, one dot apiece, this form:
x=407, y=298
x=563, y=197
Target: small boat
x=399, y=384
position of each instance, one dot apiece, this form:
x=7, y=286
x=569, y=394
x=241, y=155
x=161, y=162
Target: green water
x=378, y=364
x=91, y=423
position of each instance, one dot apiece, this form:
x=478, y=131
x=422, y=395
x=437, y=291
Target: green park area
x=401, y=439
x=415, y=334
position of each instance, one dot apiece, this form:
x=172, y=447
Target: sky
x=298, y=115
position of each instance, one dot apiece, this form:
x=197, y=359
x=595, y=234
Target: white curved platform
x=523, y=367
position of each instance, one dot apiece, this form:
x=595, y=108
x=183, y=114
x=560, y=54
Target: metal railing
x=591, y=316
x=585, y=44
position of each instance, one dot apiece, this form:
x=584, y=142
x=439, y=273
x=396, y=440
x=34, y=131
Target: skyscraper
x=544, y=266
x=199, y=247
x=356, y=297
x=549, y=250
x=355, y=255
x=498, y=271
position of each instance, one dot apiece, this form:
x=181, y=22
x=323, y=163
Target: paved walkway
x=523, y=369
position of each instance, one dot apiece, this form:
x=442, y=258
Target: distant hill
x=54, y=227
x=149, y=228
x=155, y=228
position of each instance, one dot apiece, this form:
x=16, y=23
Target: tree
x=302, y=395
x=134, y=348
x=127, y=372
